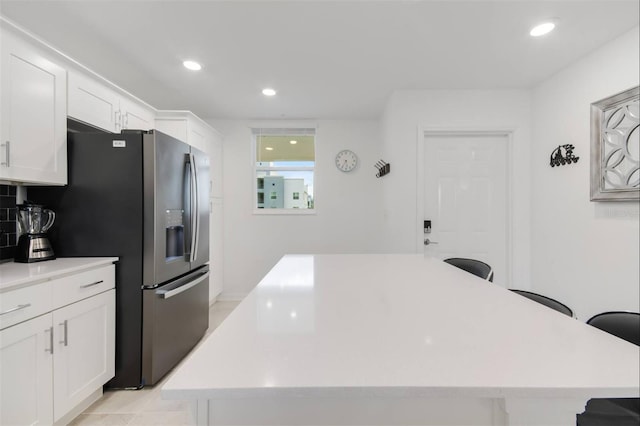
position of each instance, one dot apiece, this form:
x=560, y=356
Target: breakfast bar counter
x=397, y=339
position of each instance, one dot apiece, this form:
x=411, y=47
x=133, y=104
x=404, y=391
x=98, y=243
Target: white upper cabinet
x=91, y=102
x=135, y=115
x=187, y=127
x=33, y=144
x=216, y=164
x=100, y=105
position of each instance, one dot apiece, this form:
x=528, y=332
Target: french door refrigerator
x=142, y=196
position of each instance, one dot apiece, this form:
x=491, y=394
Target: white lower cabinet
x=26, y=366
x=84, y=350
x=52, y=363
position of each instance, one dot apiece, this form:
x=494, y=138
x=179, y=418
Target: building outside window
x=284, y=169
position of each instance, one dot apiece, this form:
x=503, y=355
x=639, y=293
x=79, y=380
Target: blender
x=33, y=245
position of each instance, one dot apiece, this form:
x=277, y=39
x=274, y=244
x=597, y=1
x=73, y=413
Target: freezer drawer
x=175, y=317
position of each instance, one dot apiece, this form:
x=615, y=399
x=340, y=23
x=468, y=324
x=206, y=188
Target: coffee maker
x=33, y=244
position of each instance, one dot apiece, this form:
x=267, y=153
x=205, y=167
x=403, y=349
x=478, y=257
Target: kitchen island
x=397, y=339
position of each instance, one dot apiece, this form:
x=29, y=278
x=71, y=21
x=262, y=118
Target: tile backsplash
x=8, y=225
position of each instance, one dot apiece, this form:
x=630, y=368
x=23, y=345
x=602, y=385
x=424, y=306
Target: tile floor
x=146, y=406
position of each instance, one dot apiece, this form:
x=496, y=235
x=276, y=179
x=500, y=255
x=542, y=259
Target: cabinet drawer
x=82, y=285
x=24, y=303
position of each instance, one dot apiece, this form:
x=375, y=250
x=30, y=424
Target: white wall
x=348, y=205
x=407, y=111
x=583, y=253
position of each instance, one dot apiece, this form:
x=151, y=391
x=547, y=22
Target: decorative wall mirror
x=615, y=147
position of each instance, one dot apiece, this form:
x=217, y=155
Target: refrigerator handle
x=197, y=211
x=166, y=294
x=194, y=208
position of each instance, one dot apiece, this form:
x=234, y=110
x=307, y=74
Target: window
x=284, y=169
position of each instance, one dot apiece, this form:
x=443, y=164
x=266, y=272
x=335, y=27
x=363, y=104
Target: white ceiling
x=327, y=59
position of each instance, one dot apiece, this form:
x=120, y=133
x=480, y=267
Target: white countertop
x=399, y=325
x=13, y=274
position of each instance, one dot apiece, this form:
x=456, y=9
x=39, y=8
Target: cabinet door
x=136, y=116
x=34, y=114
x=198, y=136
x=84, y=350
x=26, y=367
x=216, y=164
x=93, y=103
x=216, y=250
x=176, y=127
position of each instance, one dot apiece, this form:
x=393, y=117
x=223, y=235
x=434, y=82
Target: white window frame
x=288, y=131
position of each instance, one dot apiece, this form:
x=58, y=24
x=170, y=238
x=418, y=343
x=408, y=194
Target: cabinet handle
x=8, y=153
x=92, y=284
x=50, y=330
x=17, y=308
x=117, y=118
x=64, y=333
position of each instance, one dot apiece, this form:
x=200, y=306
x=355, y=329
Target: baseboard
x=230, y=297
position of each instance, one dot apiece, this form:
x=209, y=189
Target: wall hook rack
x=557, y=157
x=383, y=168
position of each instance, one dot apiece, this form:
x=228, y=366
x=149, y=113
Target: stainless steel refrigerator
x=142, y=196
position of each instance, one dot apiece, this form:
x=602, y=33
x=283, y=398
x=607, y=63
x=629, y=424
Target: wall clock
x=346, y=160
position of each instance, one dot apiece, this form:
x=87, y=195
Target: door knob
x=428, y=241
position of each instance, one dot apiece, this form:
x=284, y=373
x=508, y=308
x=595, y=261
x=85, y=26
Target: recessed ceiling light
x=192, y=65
x=293, y=142
x=268, y=92
x=542, y=29
x=268, y=148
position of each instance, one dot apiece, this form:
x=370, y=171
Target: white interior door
x=466, y=198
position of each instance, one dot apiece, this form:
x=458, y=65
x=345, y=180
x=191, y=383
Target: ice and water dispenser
x=174, y=234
